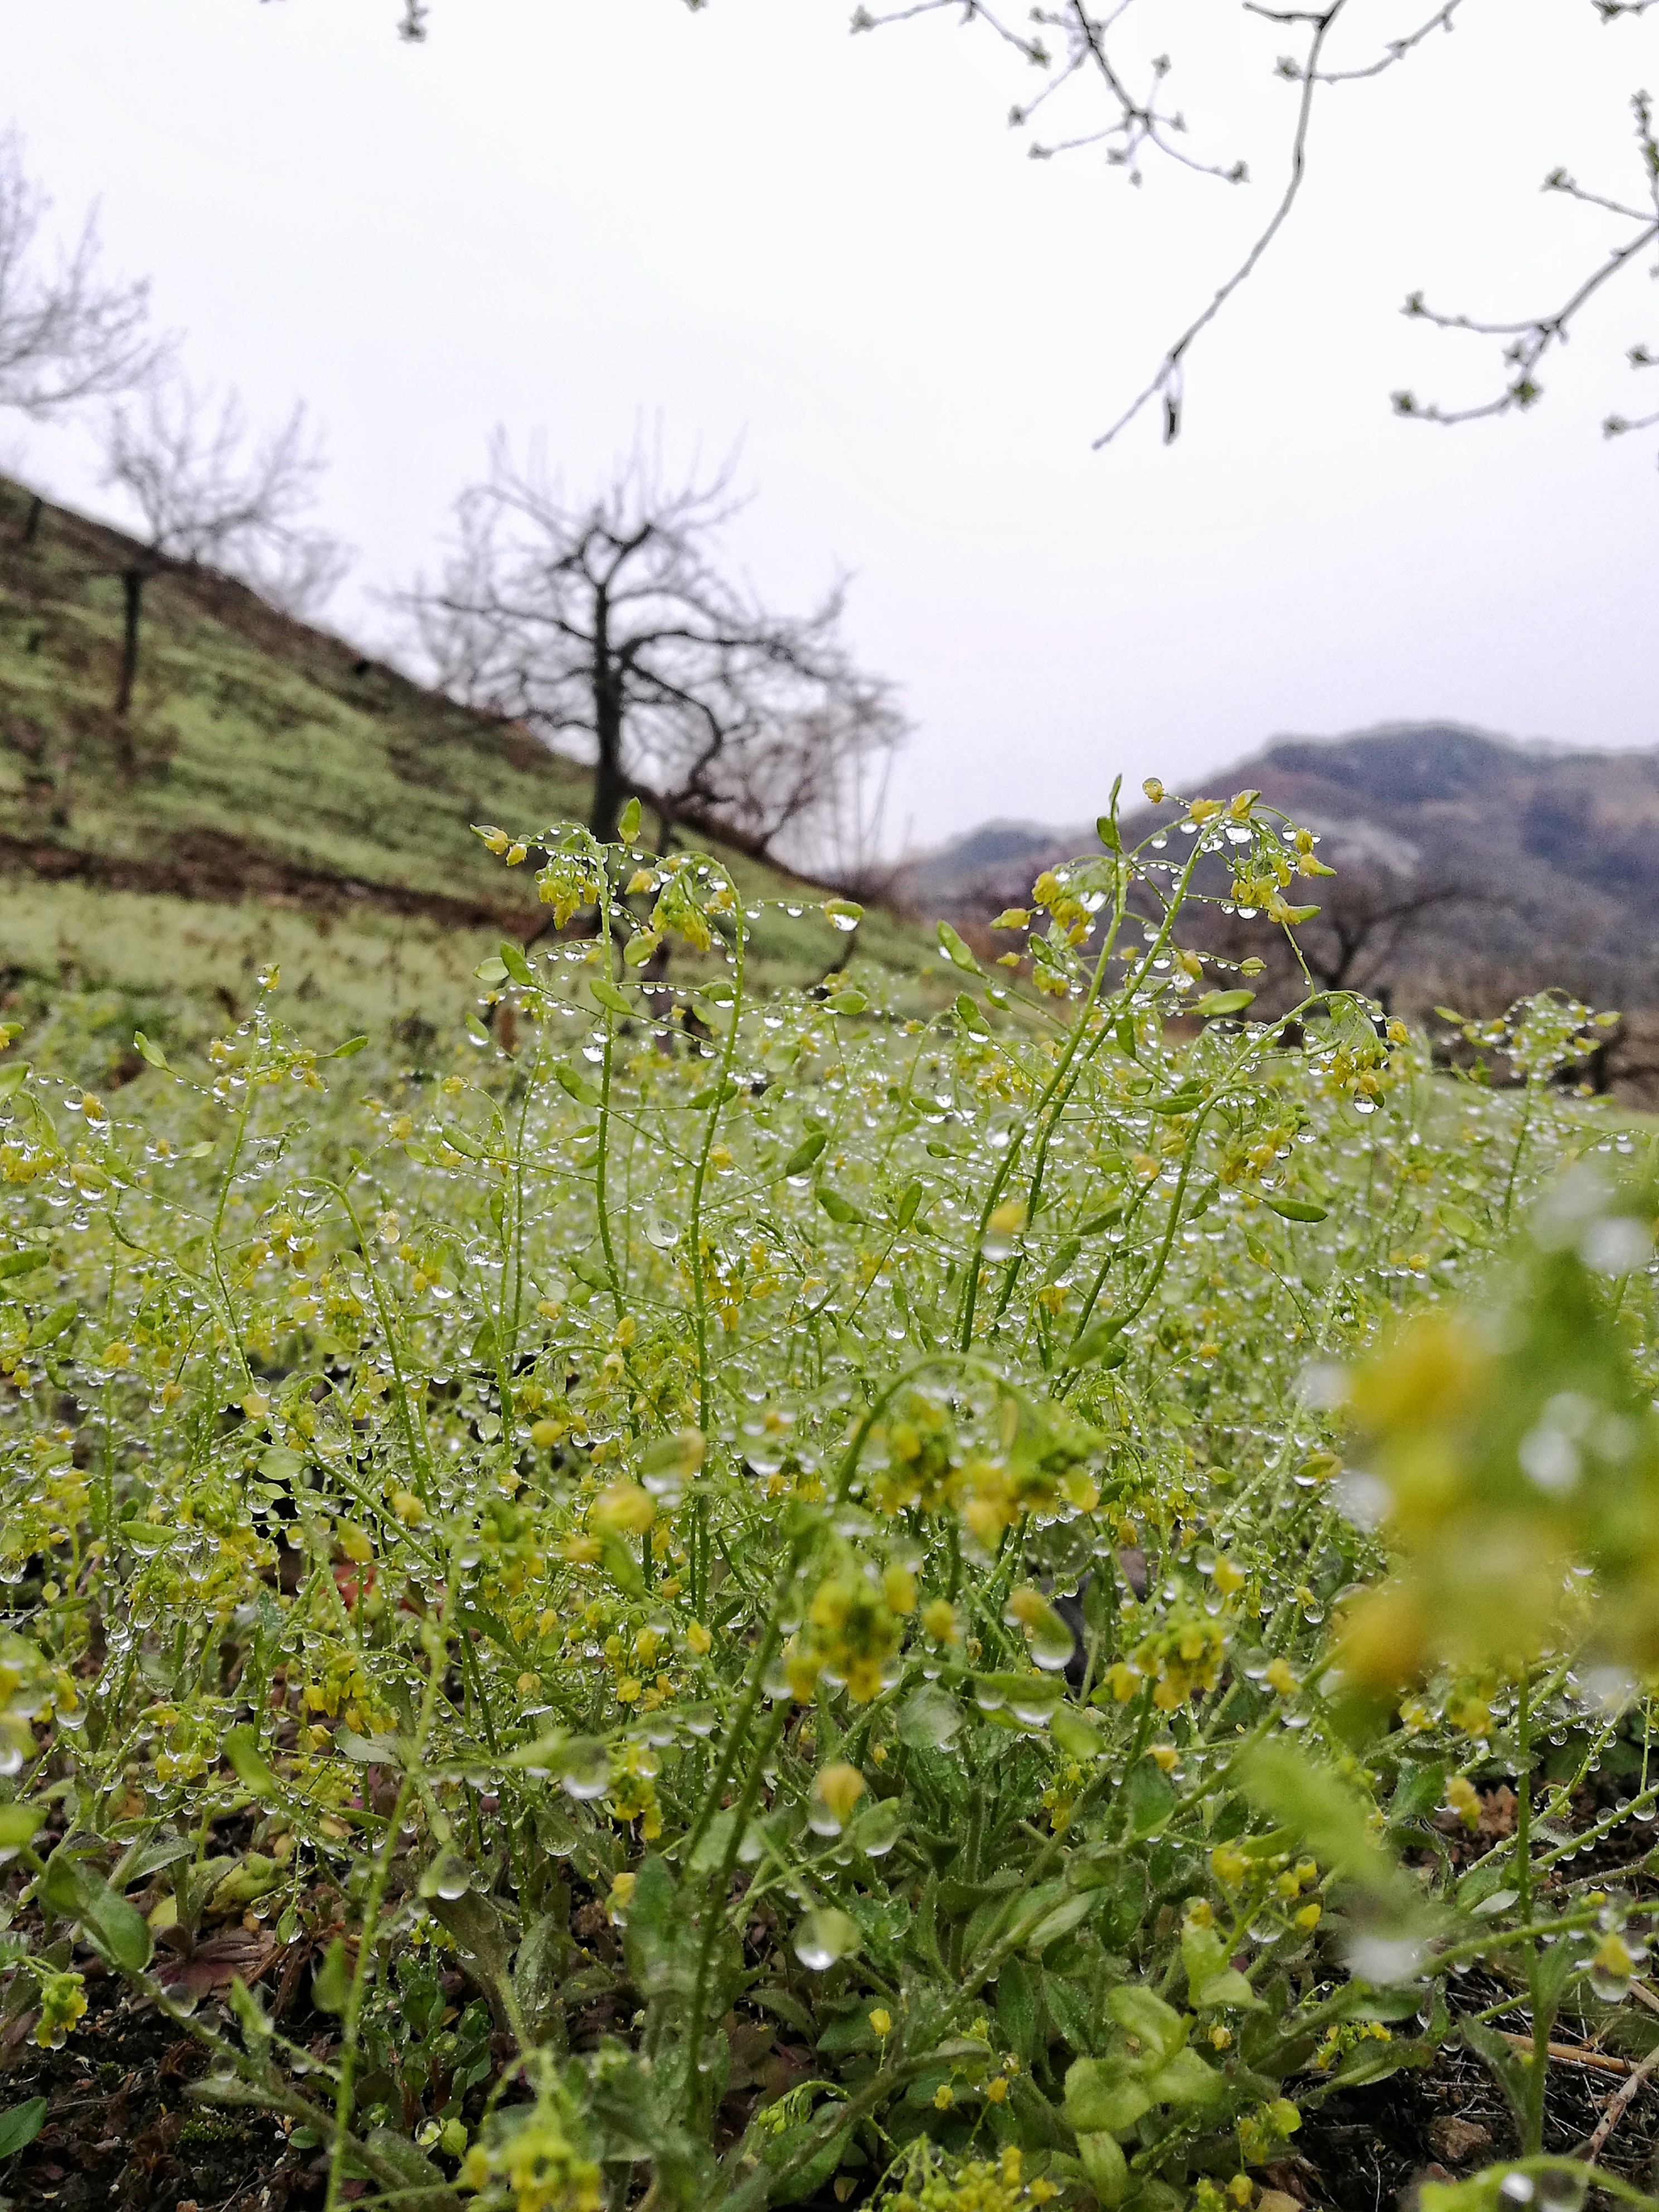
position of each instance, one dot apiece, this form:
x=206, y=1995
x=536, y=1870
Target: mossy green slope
x=289, y=797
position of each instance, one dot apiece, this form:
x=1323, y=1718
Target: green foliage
x=21, y=2124
x=580, y=1542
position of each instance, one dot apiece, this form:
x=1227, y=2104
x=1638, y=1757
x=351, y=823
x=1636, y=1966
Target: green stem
x=1538, y=2074
x=699, y=1283
x=714, y=1919
x=1515, y=1157
x=601, y=1195
x=368, y=1942
x=413, y=1431
x=759, y=1667
x=1053, y=1090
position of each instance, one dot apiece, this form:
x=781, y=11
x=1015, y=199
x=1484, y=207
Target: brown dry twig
x=1574, y=2054
x=1618, y=2103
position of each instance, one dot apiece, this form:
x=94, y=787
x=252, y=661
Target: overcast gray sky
x=581, y=216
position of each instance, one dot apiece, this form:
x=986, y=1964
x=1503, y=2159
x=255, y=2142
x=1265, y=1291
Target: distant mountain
x=1467, y=863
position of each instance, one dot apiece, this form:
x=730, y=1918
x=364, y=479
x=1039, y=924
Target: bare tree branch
x=1077, y=48
x=1083, y=47
x=1394, y=52
x=1169, y=379
x=67, y=333
x=1529, y=341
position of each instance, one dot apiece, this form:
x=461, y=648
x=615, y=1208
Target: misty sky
x=582, y=216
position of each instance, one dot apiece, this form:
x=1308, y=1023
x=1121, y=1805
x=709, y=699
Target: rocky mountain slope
x=1469, y=865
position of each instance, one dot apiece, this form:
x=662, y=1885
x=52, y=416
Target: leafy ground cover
x=695, y=1595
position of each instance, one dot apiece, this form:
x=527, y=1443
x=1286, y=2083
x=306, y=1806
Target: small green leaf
x=1107, y=831
x=1222, y=1002
x=908, y=1206
x=1031, y=1691
x=837, y=1207
x=20, y=2126
x=13, y=1077
x=620, y=1565
x=847, y=1002
x=1203, y=1198
x=1186, y=2081
x=251, y=1770
x=1017, y=2007
x=1183, y=1101
x=609, y=996
x=22, y=1263
x=1102, y=1344
x=970, y=1017
x=152, y=1053
x=1213, y=1980
x=19, y=1824
x=1105, y=2096
x=1298, y=1209
x=251, y=2015
x=1321, y=1806
x=491, y=971
x=55, y=1323
x=1157, y=2027
x=1127, y=1040
x=1104, y=1219
x=1149, y=1800
x=116, y=1929
x=515, y=964
x=1076, y=1735
x=1071, y=1912
x=805, y=1153
x=584, y=1092
x=352, y=1046
x=954, y=950
x=627, y=823
x=330, y=1984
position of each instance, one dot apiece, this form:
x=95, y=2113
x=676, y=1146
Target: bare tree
x=210, y=495
x=1368, y=935
x=1369, y=919
x=607, y=622
x=67, y=332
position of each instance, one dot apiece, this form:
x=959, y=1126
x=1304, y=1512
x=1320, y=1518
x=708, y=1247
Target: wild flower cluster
x=766, y=1601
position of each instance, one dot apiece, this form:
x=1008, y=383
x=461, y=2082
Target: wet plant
x=773, y=1600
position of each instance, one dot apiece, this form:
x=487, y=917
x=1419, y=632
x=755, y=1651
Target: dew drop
x=824, y=1938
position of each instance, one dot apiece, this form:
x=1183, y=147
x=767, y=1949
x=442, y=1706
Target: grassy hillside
x=292, y=800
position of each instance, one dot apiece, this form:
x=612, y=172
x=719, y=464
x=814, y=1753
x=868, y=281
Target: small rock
x=1457, y=2141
